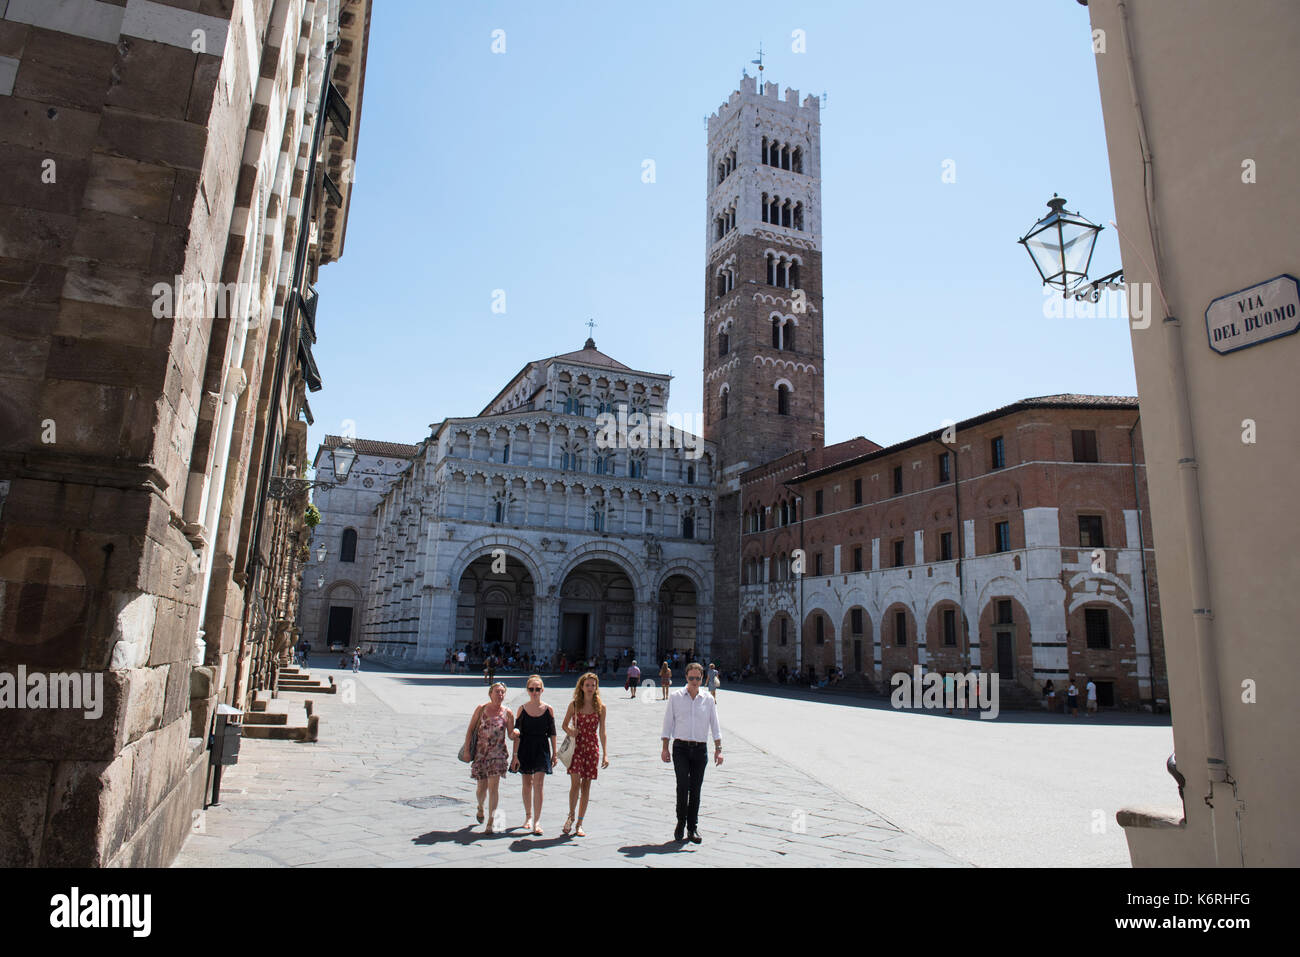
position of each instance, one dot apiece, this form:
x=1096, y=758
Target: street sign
x=1253, y=315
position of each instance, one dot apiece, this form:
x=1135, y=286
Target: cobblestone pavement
x=383, y=788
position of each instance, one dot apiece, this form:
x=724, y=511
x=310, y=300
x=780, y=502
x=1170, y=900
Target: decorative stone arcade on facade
x=520, y=526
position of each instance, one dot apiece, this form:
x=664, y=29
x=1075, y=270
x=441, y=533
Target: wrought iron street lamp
x=320, y=553
x=1061, y=245
x=286, y=486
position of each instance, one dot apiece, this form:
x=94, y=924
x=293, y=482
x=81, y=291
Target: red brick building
x=1015, y=542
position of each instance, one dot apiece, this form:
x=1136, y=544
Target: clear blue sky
x=522, y=171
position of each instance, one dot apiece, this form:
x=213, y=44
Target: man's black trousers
x=689, y=761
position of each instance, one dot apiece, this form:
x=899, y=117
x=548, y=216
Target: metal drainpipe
x=961, y=552
x=1202, y=613
x=1142, y=551
x=254, y=566
x=802, y=576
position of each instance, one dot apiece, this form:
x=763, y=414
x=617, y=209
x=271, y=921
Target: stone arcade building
x=520, y=526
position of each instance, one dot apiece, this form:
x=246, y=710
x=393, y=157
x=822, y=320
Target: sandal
x=568, y=823
x=537, y=830
x=488, y=829
x=480, y=813
x=578, y=831
x=528, y=824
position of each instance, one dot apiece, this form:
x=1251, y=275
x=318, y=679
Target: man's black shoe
x=680, y=830
x=695, y=838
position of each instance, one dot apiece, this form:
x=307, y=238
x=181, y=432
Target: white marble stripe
x=81, y=18
x=173, y=26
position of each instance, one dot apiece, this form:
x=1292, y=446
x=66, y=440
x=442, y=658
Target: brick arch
x=895, y=657
x=847, y=638
x=1103, y=664
x=941, y=657
x=776, y=652
x=1022, y=637
x=821, y=657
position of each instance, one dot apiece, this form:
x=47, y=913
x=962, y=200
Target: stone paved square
x=828, y=781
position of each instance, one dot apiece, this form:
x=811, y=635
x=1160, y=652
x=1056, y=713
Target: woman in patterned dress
x=495, y=722
x=584, y=720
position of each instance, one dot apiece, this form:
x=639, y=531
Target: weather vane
x=759, y=61
x=591, y=324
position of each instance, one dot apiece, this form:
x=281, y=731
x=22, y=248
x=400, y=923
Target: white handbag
x=568, y=744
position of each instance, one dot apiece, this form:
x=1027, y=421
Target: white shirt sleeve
x=713, y=716
x=669, y=721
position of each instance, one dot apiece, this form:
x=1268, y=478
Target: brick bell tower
x=763, y=386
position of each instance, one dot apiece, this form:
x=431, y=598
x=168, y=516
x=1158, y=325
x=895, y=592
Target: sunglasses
x=694, y=677
x=534, y=688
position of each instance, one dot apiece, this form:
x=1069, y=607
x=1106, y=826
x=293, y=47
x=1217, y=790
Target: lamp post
x=320, y=553
x=286, y=486
x=1060, y=245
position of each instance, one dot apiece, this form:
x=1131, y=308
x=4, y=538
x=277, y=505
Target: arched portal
x=678, y=613
x=597, y=604
x=340, y=624
x=494, y=611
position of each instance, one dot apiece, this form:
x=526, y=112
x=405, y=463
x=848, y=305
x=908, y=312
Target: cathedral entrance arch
x=678, y=613
x=494, y=609
x=597, y=605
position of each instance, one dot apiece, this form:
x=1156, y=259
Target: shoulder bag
x=473, y=740
x=565, y=750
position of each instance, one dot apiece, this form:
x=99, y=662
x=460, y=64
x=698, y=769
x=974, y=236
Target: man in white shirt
x=688, y=721
x=1092, y=698
x=460, y=659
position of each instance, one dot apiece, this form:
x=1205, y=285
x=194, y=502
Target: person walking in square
x=495, y=723
x=633, y=679
x=1091, y=696
x=1072, y=700
x=690, y=719
x=713, y=680
x=534, y=752
x=665, y=679
x=585, y=720
x=356, y=660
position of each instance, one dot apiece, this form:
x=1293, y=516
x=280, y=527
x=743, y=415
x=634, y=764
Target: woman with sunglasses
x=534, y=753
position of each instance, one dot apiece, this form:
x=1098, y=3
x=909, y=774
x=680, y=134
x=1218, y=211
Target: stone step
x=265, y=718
x=285, y=732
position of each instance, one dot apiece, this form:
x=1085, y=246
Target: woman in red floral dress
x=585, y=719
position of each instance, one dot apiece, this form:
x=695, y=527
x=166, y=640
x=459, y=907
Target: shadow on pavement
x=641, y=850
x=526, y=845
x=465, y=836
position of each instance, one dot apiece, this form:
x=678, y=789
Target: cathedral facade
x=572, y=515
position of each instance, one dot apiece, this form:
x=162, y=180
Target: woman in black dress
x=535, y=752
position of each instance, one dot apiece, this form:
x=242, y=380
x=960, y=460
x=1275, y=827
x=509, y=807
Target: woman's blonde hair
x=579, y=695
x=530, y=678
x=495, y=685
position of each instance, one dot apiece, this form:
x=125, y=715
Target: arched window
x=688, y=525
x=725, y=393
x=764, y=205
x=499, y=512
x=787, y=337
x=690, y=475
x=348, y=548
x=794, y=277
x=796, y=160
x=771, y=270
x=724, y=343
x=776, y=333
x=782, y=400
x=798, y=216
x=785, y=513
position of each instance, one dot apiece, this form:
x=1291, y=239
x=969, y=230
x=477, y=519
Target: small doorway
x=857, y=655
x=340, y=626
x=573, y=638
x=1006, y=655
x=493, y=629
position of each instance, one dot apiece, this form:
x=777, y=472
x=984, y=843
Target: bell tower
x=763, y=386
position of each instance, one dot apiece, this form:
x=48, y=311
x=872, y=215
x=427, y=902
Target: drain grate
x=433, y=800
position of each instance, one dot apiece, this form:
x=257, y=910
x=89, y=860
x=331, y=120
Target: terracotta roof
x=1064, y=400
x=395, y=450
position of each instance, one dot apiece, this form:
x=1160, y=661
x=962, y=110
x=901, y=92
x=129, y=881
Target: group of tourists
x=498, y=741
x=1071, y=702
